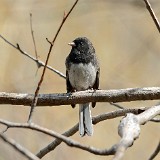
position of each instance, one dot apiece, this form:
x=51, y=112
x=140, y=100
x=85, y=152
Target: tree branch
x=155, y=119
x=155, y=19
x=35, y=99
x=155, y=153
x=32, y=33
x=95, y=120
x=68, y=141
x=73, y=130
x=121, y=95
x=19, y=148
x=38, y=62
x=129, y=129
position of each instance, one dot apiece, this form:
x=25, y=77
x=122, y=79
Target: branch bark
x=105, y=116
x=129, y=129
x=121, y=95
x=153, y=15
x=155, y=153
x=37, y=61
x=19, y=148
x=68, y=141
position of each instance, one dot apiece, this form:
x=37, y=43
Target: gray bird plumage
x=82, y=73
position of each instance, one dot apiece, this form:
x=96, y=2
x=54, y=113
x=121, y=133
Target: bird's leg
x=73, y=90
x=94, y=90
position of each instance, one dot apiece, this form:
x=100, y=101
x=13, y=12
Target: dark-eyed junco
x=82, y=73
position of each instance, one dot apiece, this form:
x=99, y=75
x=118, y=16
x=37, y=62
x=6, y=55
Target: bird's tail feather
x=85, y=120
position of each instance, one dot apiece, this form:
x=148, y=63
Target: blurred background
x=127, y=44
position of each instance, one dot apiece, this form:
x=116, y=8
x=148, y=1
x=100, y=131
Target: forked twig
x=34, y=102
x=38, y=62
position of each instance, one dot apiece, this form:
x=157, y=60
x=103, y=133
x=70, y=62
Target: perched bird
x=82, y=73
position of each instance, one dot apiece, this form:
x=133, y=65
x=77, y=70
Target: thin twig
x=155, y=119
x=19, y=148
x=65, y=16
x=38, y=62
x=32, y=33
x=155, y=153
x=155, y=19
x=5, y=130
x=34, y=102
x=116, y=105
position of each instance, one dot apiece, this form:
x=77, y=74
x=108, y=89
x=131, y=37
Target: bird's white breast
x=82, y=76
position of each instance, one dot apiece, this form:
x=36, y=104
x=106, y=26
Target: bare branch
x=65, y=139
x=121, y=95
x=129, y=129
x=49, y=41
x=5, y=130
x=65, y=16
x=155, y=19
x=95, y=120
x=116, y=105
x=57, y=142
x=38, y=62
x=32, y=33
x=155, y=153
x=72, y=131
x=35, y=99
x=19, y=148
x=155, y=119
x=148, y=114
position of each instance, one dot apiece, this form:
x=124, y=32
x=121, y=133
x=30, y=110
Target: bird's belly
x=82, y=76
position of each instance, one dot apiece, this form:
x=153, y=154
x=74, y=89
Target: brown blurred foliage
x=127, y=44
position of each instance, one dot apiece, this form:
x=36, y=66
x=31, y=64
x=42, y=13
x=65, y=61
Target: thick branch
x=121, y=95
x=129, y=129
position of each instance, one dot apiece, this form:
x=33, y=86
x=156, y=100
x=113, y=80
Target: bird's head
x=82, y=45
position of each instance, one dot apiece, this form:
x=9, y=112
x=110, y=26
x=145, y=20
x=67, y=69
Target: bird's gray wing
x=96, y=85
x=69, y=87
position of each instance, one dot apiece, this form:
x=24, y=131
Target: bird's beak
x=72, y=44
